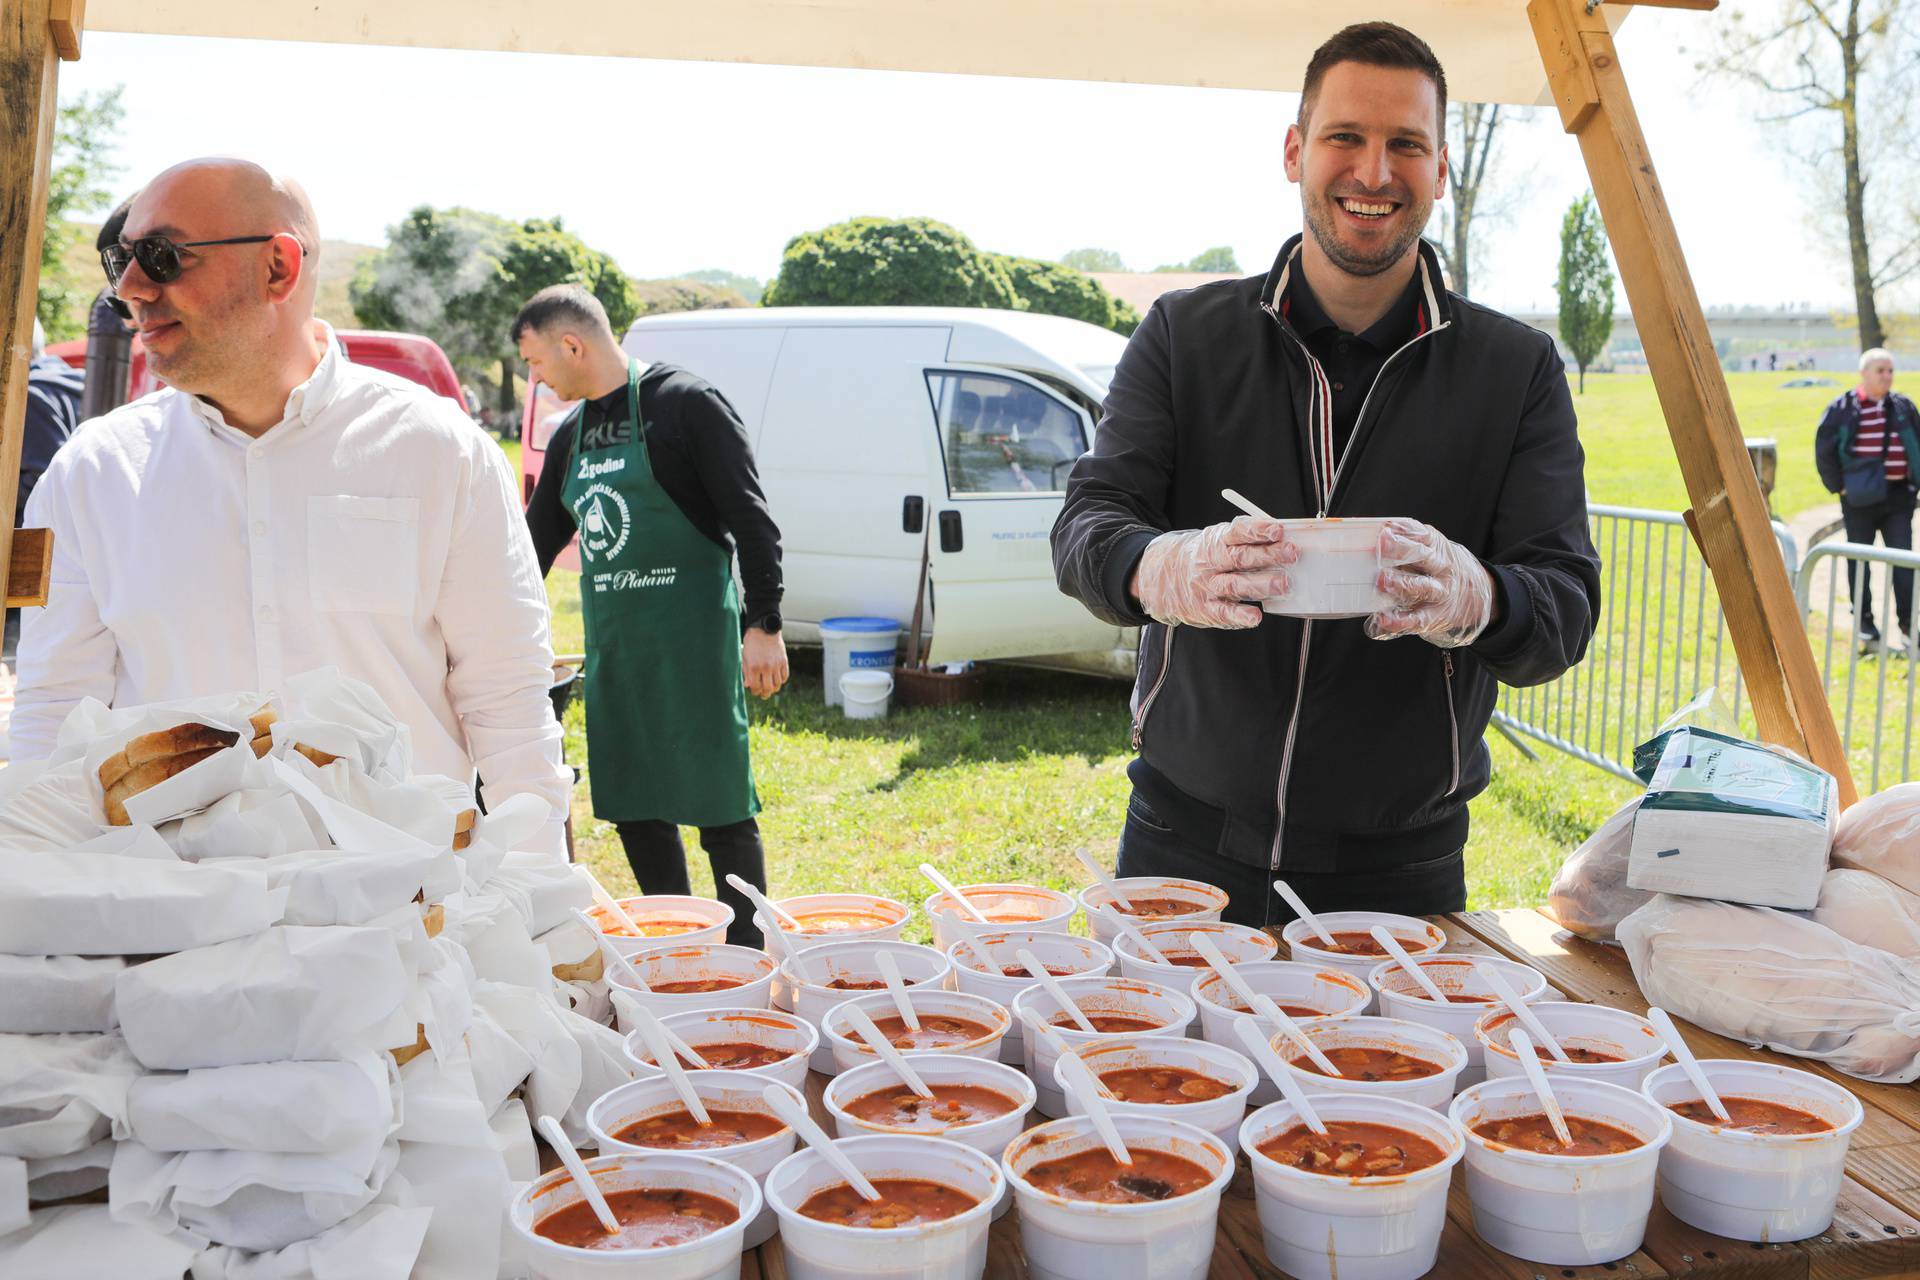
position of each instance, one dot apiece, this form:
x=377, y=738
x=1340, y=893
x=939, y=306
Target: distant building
x=1746, y=339
x=1141, y=288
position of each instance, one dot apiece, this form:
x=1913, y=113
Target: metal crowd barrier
x=1891, y=671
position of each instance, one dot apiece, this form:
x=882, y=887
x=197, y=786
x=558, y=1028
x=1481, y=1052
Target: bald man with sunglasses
x=277, y=509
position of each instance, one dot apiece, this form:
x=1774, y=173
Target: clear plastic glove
x=1206, y=577
x=1439, y=589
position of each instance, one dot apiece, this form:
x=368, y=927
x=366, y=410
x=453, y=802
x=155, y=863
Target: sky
x=674, y=166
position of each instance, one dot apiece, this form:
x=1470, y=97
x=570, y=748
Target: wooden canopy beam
x=1729, y=513
x=34, y=36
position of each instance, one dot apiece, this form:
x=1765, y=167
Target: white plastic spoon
x=897, y=988
x=1292, y=899
x=1677, y=1046
x=1405, y=961
x=626, y=965
x=656, y=1037
x=797, y=1119
x=1262, y=1005
x=973, y=944
x=557, y=1139
x=1078, y=1079
x=773, y=916
x=752, y=894
x=1055, y=990
x=1137, y=938
x=1245, y=504
x=1537, y=1077
x=611, y=905
x=1521, y=1009
x=1113, y=889
x=643, y=1015
x=863, y=1026
x=1031, y=1021
x=1257, y=1045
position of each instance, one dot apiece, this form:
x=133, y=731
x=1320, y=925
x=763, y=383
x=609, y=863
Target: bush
x=1054, y=290
x=888, y=262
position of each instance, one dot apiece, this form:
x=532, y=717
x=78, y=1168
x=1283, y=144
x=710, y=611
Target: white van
x=870, y=422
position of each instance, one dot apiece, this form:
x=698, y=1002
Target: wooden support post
x=34, y=35
x=1729, y=512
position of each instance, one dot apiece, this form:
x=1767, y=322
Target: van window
x=549, y=411
x=1002, y=435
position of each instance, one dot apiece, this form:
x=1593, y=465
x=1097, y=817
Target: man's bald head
x=246, y=193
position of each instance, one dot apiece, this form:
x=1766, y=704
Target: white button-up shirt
x=374, y=529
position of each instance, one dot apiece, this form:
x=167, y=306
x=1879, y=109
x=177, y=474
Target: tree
x=747, y=287
x=459, y=275
x=84, y=136
x=1055, y=290
x=1585, y=286
x=1093, y=260
x=1840, y=67
x=1472, y=131
x=1218, y=260
x=686, y=293
x=889, y=262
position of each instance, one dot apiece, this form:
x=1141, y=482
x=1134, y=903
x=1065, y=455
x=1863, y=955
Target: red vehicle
x=539, y=419
x=407, y=354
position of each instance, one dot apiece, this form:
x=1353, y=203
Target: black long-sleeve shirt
x=701, y=457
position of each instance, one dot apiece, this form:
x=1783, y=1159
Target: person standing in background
x=54, y=389
x=1866, y=448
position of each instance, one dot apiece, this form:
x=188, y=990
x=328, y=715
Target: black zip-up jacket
x=1833, y=438
x=1468, y=427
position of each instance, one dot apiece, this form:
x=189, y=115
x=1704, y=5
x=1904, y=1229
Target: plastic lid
x=867, y=625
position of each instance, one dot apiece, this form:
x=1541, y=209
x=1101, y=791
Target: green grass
x=1009, y=787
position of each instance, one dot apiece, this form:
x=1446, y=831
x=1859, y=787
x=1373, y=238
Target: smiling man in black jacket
x=1339, y=755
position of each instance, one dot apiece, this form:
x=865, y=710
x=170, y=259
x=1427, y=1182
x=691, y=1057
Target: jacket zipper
x=1306, y=629
x=1453, y=725
x=1146, y=704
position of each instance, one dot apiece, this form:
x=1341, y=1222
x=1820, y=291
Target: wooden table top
x=1875, y=1232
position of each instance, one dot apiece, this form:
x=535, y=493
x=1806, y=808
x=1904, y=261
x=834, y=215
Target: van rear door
x=1006, y=444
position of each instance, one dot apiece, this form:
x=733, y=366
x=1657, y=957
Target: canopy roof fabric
x=1485, y=45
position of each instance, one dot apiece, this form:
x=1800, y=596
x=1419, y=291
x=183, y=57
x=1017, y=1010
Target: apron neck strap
x=633, y=400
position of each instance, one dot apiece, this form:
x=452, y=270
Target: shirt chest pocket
x=363, y=554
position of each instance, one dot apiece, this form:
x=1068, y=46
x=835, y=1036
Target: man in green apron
x=654, y=472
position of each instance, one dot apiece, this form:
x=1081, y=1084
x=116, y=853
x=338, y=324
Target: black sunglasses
x=159, y=257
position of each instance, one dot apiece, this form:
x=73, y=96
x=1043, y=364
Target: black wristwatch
x=767, y=622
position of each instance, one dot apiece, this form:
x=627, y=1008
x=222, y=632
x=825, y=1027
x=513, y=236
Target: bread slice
x=592, y=969
x=435, y=917
x=320, y=758
x=151, y=774
x=464, y=820
x=262, y=720
x=262, y=745
x=402, y=1057
x=114, y=768
x=174, y=741
x=461, y=839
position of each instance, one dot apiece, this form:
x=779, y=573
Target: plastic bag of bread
x=1863, y=908
x=1590, y=894
x=1881, y=834
x=1778, y=979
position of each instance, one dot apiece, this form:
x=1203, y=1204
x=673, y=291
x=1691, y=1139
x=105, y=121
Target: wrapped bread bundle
x=1863, y=908
x=43, y=994
x=1781, y=980
x=103, y=904
x=86, y=1242
x=249, y=1199
x=1590, y=895
x=293, y=1107
x=289, y=992
x=1881, y=834
x=149, y=759
x=255, y=822
x=61, y=1094
x=380, y=1242
x=77, y=1173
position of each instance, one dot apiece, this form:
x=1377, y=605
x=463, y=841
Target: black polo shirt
x=1352, y=360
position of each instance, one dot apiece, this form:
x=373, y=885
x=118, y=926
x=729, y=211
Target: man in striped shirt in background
x=1867, y=448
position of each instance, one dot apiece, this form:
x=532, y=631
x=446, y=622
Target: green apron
x=666, y=706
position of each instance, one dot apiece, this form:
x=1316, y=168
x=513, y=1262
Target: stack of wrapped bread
x=270, y=1004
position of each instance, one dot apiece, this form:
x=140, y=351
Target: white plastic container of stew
x=808, y=974
x=1330, y=993
x=1219, y=1116
x=792, y=1035
x=850, y=1051
x=1074, y=957
x=1239, y=943
x=1415, y=1039
x=1399, y=996
x=752, y=970
x=1597, y=1027
x=1306, y=947
x=1203, y=902
x=1148, y=1001
x=1006, y=906
x=712, y=1257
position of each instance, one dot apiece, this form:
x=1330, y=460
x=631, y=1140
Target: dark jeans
x=659, y=863
x=1149, y=848
x=1892, y=521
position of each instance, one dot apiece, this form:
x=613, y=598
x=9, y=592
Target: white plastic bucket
x=806, y=976
x=1120, y=996
x=1219, y=1116
x=1753, y=1186
x=1077, y=1240
x=989, y=1137
x=866, y=695
x=690, y=964
x=1414, y=1038
x=955, y=1249
x=712, y=1257
x=855, y=644
x=1097, y=901
x=1399, y=996
x=1305, y=946
x=723, y=1090
x=1239, y=943
x=772, y=1028
x=1336, y=572
x=1317, y=1227
x=1626, y=1036
x=850, y=1051
x=1303, y=986
x=1567, y=1211
x=714, y=917
x=1082, y=956
x=1040, y=911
